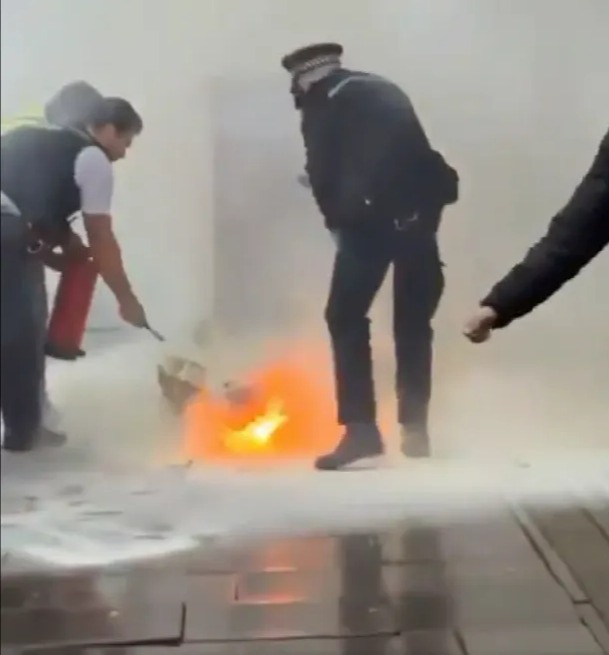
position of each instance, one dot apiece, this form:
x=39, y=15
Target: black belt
x=406, y=222
x=34, y=244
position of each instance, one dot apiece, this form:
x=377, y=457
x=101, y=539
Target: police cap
x=311, y=57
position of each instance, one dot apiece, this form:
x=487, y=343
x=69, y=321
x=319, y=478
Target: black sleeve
x=575, y=236
x=323, y=144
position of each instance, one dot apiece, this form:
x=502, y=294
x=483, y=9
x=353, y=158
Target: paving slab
x=532, y=578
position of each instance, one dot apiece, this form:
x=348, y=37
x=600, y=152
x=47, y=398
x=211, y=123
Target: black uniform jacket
x=367, y=155
x=575, y=236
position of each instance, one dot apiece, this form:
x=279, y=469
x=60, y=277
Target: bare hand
x=56, y=261
x=304, y=181
x=479, y=327
x=132, y=312
x=75, y=248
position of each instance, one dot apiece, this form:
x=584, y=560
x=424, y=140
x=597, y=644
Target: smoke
x=72, y=518
x=215, y=225
x=516, y=102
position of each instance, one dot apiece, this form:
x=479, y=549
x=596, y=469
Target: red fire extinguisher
x=68, y=320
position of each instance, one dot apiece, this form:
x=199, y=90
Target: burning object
x=258, y=433
x=284, y=410
x=180, y=380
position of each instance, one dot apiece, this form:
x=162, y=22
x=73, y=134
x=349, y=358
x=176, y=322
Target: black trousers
x=22, y=355
x=362, y=260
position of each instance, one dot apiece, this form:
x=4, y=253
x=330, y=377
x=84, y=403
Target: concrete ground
x=461, y=554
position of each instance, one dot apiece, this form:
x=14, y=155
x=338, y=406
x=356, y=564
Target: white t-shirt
x=94, y=177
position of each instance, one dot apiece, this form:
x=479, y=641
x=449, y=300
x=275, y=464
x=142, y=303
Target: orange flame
x=290, y=414
x=259, y=432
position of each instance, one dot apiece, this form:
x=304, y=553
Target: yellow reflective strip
x=33, y=117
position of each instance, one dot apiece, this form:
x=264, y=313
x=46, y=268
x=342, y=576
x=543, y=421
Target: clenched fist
x=479, y=327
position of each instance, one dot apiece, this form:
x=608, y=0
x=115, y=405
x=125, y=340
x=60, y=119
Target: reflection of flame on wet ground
x=289, y=414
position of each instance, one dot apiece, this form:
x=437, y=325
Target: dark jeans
x=41, y=309
x=362, y=260
x=22, y=356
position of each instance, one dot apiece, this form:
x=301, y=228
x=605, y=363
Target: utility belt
x=29, y=234
x=412, y=221
x=34, y=245
x=411, y=227
x=406, y=223
x=18, y=234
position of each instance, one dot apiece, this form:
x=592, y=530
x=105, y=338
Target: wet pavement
x=511, y=581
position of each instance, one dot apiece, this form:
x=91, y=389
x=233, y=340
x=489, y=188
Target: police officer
x=381, y=189
x=576, y=235
x=48, y=175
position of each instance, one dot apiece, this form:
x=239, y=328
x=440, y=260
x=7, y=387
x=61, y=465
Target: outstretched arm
x=575, y=236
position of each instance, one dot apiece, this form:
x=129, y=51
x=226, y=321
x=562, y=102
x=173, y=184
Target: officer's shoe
x=47, y=438
x=18, y=443
x=361, y=441
x=415, y=442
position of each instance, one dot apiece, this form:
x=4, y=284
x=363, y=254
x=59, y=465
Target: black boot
x=360, y=441
x=42, y=438
x=415, y=441
x=18, y=443
x=64, y=354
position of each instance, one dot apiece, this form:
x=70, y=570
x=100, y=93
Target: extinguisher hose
x=157, y=335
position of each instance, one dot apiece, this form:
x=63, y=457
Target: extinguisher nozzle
x=157, y=335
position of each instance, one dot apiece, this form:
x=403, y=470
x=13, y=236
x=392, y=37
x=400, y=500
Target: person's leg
x=51, y=432
x=20, y=357
x=41, y=317
x=417, y=290
x=360, y=266
x=19, y=380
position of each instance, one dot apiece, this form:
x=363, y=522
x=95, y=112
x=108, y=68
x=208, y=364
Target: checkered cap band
x=316, y=62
